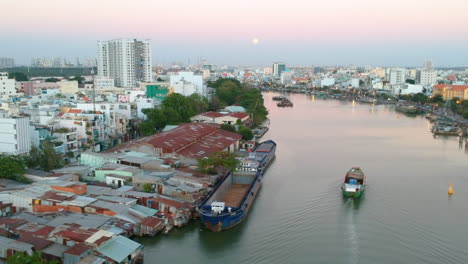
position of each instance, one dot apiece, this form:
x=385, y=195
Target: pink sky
x=286, y=22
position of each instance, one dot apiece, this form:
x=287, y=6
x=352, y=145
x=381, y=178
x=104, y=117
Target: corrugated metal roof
x=118, y=248
x=80, y=201
x=88, y=221
x=90, y=259
x=145, y=210
x=7, y=243
x=55, y=250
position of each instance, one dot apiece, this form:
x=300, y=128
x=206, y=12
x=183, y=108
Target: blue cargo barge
x=230, y=200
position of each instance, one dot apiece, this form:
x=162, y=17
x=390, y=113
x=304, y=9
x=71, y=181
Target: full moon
x=255, y=41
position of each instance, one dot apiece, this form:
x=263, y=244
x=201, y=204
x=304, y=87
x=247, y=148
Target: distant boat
x=408, y=109
x=354, y=183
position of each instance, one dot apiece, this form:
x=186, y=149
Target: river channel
x=300, y=215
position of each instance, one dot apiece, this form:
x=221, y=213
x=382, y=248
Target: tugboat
x=285, y=103
x=354, y=183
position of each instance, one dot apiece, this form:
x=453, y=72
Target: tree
x=78, y=78
x=228, y=127
x=147, y=188
x=34, y=158
x=19, y=77
x=220, y=161
x=11, y=167
x=410, y=81
x=147, y=128
x=215, y=104
x=245, y=132
x=50, y=159
x=228, y=90
x=437, y=99
x=22, y=258
x=52, y=80
x=419, y=98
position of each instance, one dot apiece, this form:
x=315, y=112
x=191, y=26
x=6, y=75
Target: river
x=300, y=216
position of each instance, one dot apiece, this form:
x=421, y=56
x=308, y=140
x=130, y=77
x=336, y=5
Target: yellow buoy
x=450, y=190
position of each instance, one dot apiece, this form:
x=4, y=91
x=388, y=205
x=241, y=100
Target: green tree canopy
x=78, y=78
x=18, y=76
x=245, y=132
x=11, y=166
x=52, y=80
x=221, y=162
x=437, y=99
x=147, y=188
x=46, y=158
x=22, y=258
x=228, y=127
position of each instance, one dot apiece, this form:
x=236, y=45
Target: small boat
x=354, y=183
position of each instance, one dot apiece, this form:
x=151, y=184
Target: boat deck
x=234, y=195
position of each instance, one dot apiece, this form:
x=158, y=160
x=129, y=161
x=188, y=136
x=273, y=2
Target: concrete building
x=127, y=61
x=7, y=62
x=327, y=82
x=427, y=76
x=103, y=82
x=449, y=92
x=187, y=83
x=278, y=68
x=68, y=87
x=7, y=86
x=15, y=134
x=397, y=76
x=286, y=78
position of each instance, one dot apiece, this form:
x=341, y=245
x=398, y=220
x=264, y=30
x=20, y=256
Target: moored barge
x=230, y=200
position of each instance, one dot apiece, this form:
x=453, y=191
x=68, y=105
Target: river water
x=300, y=216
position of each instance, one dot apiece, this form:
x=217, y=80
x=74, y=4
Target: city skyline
x=337, y=32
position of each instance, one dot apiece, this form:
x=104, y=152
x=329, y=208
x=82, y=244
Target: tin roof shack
x=24, y=199
x=6, y=209
x=91, y=259
x=115, y=175
x=150, y=226
x=142, y=197
x=120, y=249
x=76, y=253
x=177, y=212
x=54, y=252
x=8, y=247
x=38, y=243
x=153, y=178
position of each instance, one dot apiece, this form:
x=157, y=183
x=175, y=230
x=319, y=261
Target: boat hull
x=355, y=194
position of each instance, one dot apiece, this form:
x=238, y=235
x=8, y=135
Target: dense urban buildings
x=127, y=61
x=7, y=62
x=278, y=68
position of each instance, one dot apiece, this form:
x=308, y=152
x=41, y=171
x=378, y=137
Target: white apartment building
x=187, y=83
x=427, y=77
x=278, y=68
x=102, y=82
x=7, y=86
x=286, y=78
x=127, y=61
x=15, y=134
x=397, y=76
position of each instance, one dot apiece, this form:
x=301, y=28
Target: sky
x=297, y=32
